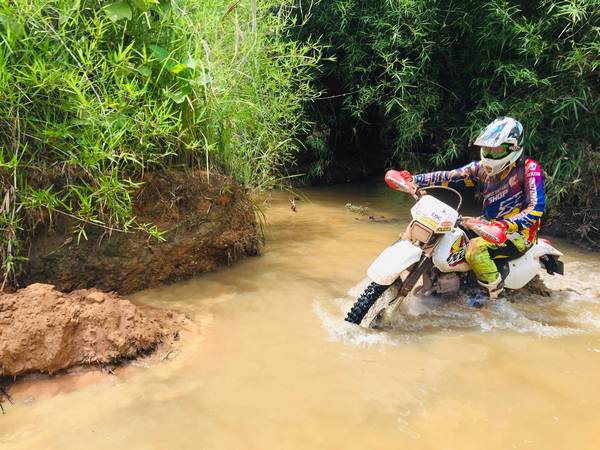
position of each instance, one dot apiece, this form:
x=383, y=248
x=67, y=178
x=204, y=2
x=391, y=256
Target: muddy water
x=275, y=367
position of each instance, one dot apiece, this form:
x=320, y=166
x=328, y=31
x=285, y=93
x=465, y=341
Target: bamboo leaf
x=145, y=70
x=177, y=96
x=142, y=5
x=158, y=52
x=177, y=68
x=118, y=11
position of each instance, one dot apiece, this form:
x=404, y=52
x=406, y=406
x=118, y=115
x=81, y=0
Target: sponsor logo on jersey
x=507, y=206
x=496, y=195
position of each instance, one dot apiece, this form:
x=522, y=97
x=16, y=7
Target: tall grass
x=94, y=93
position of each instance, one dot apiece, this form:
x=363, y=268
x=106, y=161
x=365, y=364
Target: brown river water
x=274, y=365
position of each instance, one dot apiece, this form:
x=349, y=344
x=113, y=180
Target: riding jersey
x=514, y=200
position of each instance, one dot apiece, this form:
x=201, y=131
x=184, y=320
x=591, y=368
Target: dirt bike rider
x=513, y=198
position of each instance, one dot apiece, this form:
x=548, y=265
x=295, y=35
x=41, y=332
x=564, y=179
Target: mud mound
x=206, y=224
x=44, y=330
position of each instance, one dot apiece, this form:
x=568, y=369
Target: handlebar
x=400, y=181
x=490, y=233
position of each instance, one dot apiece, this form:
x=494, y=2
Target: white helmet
x=503, y=130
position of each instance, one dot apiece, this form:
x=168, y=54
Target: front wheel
x=373, y=291
x=364, y=302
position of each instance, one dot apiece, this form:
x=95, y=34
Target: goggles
x=492, y=153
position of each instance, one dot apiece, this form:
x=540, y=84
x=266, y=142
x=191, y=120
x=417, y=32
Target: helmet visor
x=495, y=152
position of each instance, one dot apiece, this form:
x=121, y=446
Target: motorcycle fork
x=424, y=265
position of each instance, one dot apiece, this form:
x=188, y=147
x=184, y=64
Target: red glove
x=493, y=232
x=500, y=224
x=401, y=181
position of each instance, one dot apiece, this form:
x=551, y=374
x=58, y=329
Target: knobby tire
x=364, y=302
x=373, y=291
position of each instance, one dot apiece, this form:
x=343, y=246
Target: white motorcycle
x=434, y=247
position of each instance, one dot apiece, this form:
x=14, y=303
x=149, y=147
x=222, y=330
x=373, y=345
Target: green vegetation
x=94, y=93
x=414, y=81
x=362, y=210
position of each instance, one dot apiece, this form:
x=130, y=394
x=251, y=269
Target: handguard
x=491, y=233
x=400, y=181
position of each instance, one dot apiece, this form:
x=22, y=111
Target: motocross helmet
x=505, y=132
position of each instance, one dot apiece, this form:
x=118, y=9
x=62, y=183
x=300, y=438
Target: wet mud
x=45, y=331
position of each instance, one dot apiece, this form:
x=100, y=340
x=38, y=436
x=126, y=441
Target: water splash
x=340, y=330
x=568, y=307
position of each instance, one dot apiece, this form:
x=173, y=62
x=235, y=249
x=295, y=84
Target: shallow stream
x=275, y=367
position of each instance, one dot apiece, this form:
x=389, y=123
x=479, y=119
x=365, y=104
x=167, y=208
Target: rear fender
x=523, y=269
x=544, y=247
x=393, y=261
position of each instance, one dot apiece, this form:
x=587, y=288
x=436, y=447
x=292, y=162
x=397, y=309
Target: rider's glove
x=401, y=181
x=406, y=176
x=500, y=224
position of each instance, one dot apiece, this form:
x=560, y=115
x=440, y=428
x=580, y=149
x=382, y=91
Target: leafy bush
x=541, y=65
x=380, y=84
x=426, y=76
x=93, y=93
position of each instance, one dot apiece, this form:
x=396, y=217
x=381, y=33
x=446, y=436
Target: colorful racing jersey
x=514, y=198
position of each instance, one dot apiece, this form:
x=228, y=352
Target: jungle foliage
x=94, y=93
x=413, y=82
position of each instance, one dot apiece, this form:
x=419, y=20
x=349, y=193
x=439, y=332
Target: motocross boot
x=494, y=288
x=479, y=296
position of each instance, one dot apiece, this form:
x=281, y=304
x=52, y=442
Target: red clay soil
x=207, y=224
x=44, y=330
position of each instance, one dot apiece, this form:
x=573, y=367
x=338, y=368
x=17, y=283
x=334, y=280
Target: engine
x=446, y=283
x=438, y=283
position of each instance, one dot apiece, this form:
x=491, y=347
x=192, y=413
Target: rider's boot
x=479, y=297
x=476, y=298
x=494, y=288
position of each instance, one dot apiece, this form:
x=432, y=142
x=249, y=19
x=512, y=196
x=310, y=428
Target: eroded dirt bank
x=578, y=225
x=206, y=224
x=44, y=330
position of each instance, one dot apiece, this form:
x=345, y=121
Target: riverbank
x=576, y=224
x=79, y=319
x=45, y=331
x=207, y=222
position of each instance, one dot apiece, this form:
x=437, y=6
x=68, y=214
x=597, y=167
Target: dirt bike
x=434, y=247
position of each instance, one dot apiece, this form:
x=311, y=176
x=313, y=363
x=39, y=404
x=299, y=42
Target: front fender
x=393, y=261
